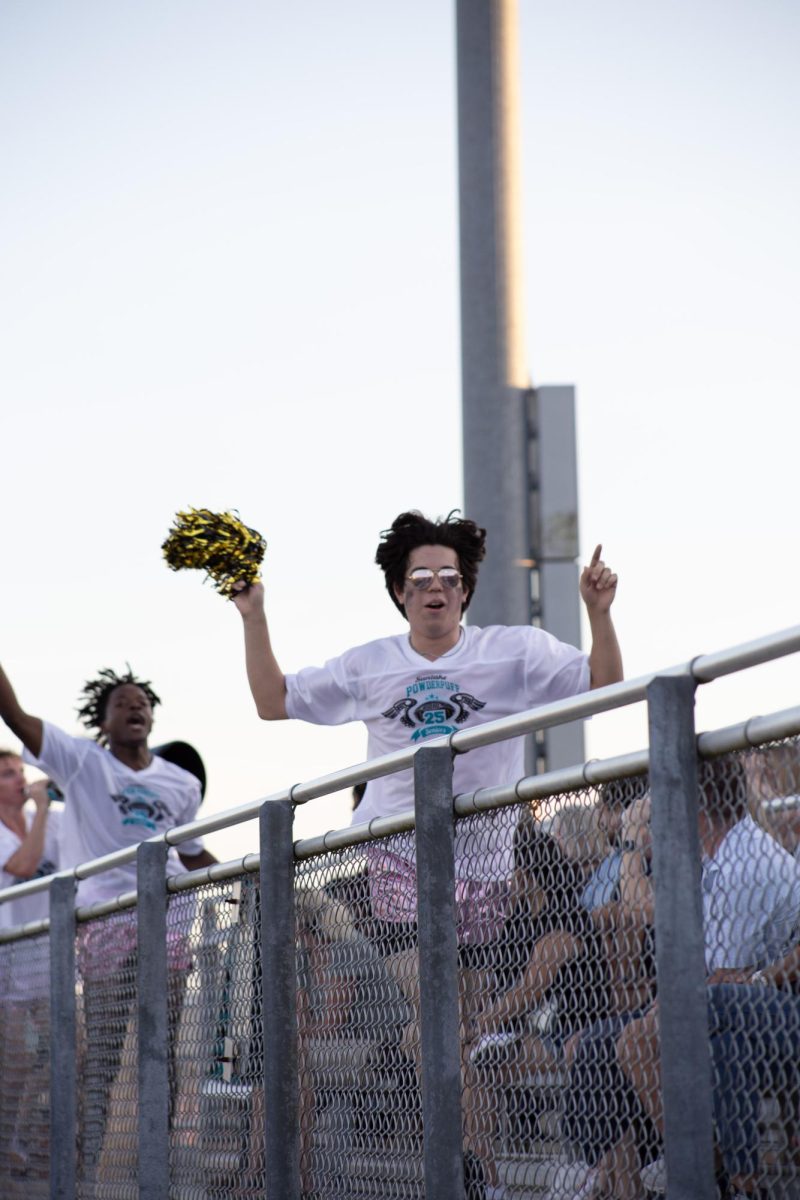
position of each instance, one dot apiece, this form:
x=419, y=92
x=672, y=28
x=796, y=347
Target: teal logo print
x=434, y=717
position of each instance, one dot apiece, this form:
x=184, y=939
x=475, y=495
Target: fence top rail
x=617, y=695
x=703, y=669
x=744, y=734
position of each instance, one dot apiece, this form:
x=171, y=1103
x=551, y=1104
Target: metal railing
x=250, y=1070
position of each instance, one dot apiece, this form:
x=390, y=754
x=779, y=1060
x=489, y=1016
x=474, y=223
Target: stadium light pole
x=494, y=375
x=520, y=473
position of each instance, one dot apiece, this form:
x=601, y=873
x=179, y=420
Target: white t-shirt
x=28, y=908
x=108, y=806
x=404, y=698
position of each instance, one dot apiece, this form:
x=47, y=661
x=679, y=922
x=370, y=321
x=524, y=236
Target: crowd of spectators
x=554, y=908
x=567, y=987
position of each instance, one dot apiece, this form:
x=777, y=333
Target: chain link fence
x=25, y=1064
x=360, y=1108
x=562, y=935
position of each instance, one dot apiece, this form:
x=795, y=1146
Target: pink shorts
x=104, y=945
x=481, y=905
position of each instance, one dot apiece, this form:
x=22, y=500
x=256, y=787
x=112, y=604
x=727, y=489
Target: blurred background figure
x=28, y=849
x=773, y=781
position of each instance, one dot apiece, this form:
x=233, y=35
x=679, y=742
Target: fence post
x=438, y=974
x=686, y=1081
x=63, y=1040
x=279, y=1001
x=153, y=1033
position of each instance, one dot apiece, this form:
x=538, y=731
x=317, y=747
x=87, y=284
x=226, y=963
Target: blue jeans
x=599, y=1103
x=755, y=1048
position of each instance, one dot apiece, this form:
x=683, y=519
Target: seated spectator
x=602, y=1118
x=550, y=977
x=349, y=988
x=344, y=993
x=751, y=907
x=773, y=777
x=616, y=797
x=546, y=929
x=577, y=831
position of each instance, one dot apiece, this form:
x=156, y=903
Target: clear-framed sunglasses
x=422, y=577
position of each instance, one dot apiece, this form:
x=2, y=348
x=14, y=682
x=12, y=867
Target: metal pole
x=554, y=526
x=153, y=1034
x=494, y=376
x=279, y=1001
x=686, y=1079
x=438, y=974
x=63, y=1040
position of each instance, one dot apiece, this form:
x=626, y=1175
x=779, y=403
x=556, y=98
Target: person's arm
x=598, y=587
x=28, y=855
x=637, y=901
x=624, y=923
x=550, y=953
x=784, y=973
x=194, y=862
x=729, y=975
x=266, y=679
x=27, y=728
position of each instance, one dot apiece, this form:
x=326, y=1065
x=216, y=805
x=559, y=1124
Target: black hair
x=538, y=854
x=96, y=694
x=723, y=788
x=621, y=793
x=412, y=529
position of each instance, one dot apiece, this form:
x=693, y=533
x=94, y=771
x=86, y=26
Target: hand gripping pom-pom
x=217, y=543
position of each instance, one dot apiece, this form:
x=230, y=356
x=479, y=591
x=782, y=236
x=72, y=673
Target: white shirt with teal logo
x=108, y=805
x=403, y=699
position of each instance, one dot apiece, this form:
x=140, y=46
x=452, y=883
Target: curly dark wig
x=412, y=529
x=96, y=693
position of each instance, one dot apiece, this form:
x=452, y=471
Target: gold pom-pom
x=217, y=543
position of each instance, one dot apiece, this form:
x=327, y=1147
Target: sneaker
x=654, y=1176
x=493, y=1047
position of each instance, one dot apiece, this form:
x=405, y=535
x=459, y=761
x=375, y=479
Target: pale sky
x=228, y=236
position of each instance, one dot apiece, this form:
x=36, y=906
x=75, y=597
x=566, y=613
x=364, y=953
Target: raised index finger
x=598, y=550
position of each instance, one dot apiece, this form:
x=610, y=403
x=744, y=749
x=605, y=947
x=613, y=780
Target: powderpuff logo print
x=433, y=706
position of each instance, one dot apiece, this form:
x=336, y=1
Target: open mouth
x=136, y=720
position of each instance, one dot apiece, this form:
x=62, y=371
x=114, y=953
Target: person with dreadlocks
x=117, y=793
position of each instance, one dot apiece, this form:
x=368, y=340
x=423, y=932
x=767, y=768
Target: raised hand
x=249, y=599
x=37, y=791
x=598, y=584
